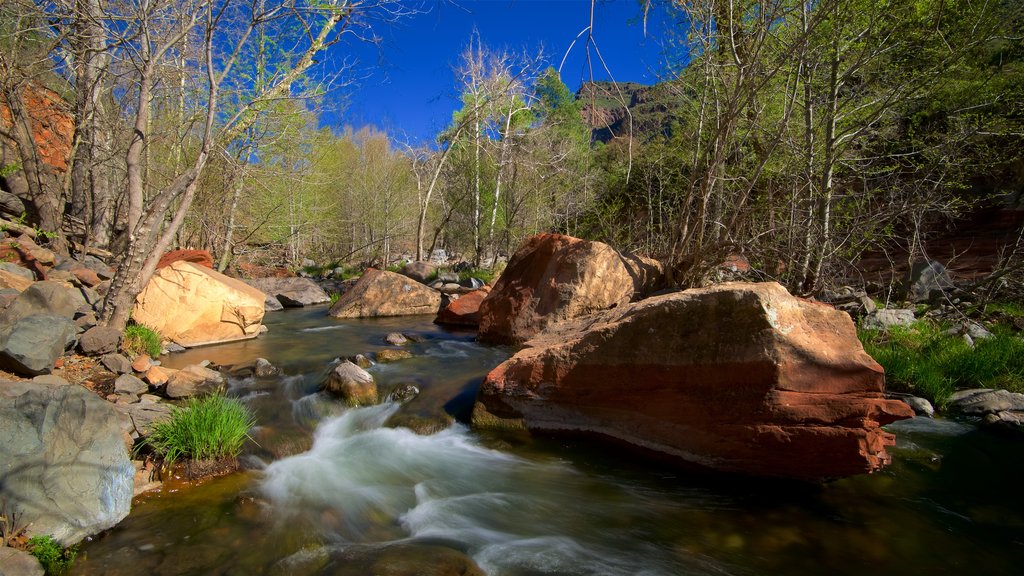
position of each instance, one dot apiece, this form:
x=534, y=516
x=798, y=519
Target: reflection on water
x=333, y=488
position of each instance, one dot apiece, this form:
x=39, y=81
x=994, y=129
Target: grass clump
x=55, y=558
x=139, y=339
x=334, y=296
x=925, y=361
x=485, y=274
x=209, y=428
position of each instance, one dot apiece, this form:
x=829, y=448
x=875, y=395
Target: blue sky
x=407, y=87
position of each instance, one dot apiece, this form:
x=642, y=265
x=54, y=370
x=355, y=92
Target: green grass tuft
x=139, y=339
x=334, y=296
x=210, y=428
x=54, y=557
x=923, y=361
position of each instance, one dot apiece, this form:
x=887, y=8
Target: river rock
x=291, y=292
x=553, y=277
x=99, y=340
x=63, y=461
x=383, y=293
x=396, y=339
x=352, y=384
x=193, y=305
x=128, y=384
x=194, y=380
x=887, y=318
x=157, y=375
x=46, y=297
x=15, y=562
x=464, y=310
x=401, y=559
x=738, y=377
x=391, y=355
x=142, y=363
x=31, y=344
x=419, y=271
x=272, y=304
x=116, y=363
x=983, y=401
x=145, y=414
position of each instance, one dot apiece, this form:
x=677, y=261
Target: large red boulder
x=383, y=293
x=738, y=377
x=464, y=310
x=553, y=277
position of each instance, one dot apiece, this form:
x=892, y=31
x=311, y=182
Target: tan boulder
x=383, y=293
x=738, y=377
x=193, y=305
x=352, y=384
x=552, y=277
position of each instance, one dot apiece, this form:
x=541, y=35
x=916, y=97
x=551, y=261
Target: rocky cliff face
x=604, y=105
x=52, y=126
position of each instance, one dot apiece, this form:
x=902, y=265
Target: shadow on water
x=336, y=491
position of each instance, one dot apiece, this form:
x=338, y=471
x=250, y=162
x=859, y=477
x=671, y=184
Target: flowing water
x=330, y=490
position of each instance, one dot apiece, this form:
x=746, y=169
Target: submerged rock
x=403, y=559
x=552, y=277
x=737, y=377
x=391, y=355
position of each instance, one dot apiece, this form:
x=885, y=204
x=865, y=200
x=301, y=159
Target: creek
x=329, y=490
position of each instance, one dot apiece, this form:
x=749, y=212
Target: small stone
x=396, y=339
x=389, y=355
x=263, y=368
x=99, y=340
x=142, y=363
x=50, y=379
x=149, y=399
x=361, y=360
x=157, y=376
x=116, y=363
x=15, y=562
x=977, y=331
x=353, y=384
x=195, y=380
x=173, y=347
x=128, y=384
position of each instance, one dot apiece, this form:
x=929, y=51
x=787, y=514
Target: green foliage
x=139, y=339
x=209, y=428
x=334, y=296
x=485, y=274
x=8, y=169
x=925, y=361
x=54, y=557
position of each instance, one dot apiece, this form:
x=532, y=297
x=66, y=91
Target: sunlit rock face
x=383, y=293
x=738, y=377
x=553, y=277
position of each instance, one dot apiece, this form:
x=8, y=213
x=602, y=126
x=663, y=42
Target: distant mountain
x=654, y=109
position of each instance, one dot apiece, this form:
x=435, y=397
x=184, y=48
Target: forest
x=797, y=136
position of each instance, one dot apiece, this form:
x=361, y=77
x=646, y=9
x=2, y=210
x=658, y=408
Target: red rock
x=142, y=363
x=51, y=123
x=552, y=277
x=738, y=377
x=157, y=376
x=201, y=257
x=86, y=276
x=465, y=310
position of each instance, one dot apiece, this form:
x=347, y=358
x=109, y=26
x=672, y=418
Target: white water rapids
x=513, y=516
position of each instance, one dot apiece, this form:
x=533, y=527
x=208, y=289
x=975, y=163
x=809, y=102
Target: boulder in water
x=293, y=292
x=737, y=377
x=464, y=310
x=553, y=277
x=352, y=384
x=383, y=293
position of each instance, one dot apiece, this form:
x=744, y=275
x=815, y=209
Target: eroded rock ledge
x=738, y=377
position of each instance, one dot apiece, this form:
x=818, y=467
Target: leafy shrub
x=925, y=361
x=210, y=428
x=334, y=296
x=54, y=557
x=139, y=339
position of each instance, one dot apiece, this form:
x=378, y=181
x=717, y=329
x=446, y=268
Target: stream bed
x=330, y=490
